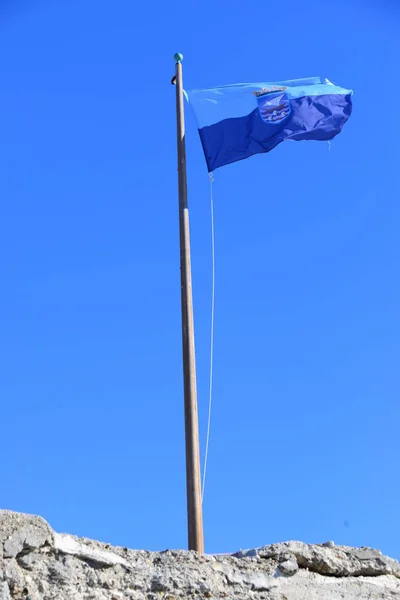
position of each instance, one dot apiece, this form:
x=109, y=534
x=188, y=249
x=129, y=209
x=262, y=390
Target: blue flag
x=237, y=121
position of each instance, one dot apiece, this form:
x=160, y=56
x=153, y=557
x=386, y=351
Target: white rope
x=211, y=336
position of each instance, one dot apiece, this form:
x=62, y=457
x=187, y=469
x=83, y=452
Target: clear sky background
x=305, y=428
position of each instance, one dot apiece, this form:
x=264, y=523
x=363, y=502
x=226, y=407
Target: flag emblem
x=273, y=105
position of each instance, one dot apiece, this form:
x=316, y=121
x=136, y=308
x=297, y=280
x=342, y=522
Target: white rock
x=49, y=566
x=68, y=545
x=4, y=591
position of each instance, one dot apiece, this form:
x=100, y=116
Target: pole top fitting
x=178, y=57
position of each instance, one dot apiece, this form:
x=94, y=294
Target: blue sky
x=305, y=434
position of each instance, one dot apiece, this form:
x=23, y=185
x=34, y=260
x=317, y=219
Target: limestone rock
x=19, y=532
x=38, y=564
x=340, y=561
x=4, y=591
x=66, y=544
x=289, y=566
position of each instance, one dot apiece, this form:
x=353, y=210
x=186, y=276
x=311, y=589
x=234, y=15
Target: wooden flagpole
x=193, y=485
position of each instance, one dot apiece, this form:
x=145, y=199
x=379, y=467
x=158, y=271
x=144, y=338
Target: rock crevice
x=38, y=564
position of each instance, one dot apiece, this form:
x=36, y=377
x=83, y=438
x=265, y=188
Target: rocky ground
x=38, y=564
